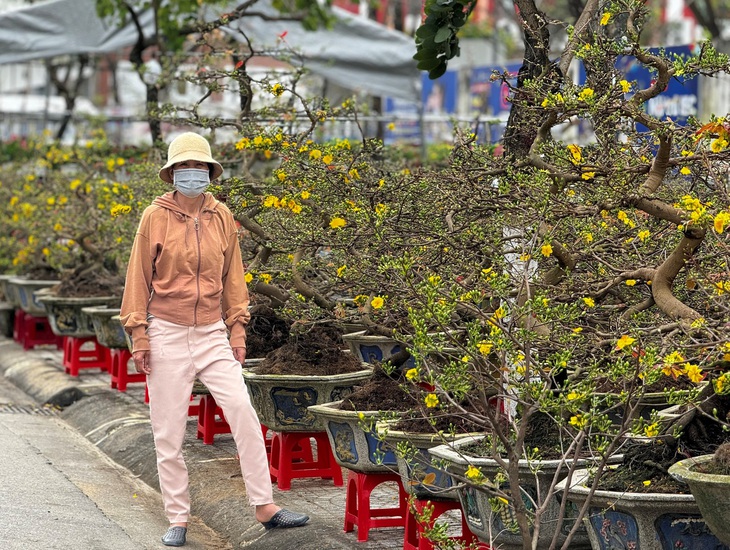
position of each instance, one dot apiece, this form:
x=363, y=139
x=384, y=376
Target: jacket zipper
x=197, y=272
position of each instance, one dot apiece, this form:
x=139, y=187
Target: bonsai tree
x=552, y=269
x=74, y=210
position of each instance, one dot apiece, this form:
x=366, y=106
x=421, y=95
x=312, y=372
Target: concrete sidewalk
x=118, y=424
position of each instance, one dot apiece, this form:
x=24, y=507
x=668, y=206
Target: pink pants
x=178, y=355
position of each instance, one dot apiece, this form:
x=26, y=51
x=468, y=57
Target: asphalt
x=118, y=424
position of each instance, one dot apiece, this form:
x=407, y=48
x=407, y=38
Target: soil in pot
x=265, y=332
x=90, y=279
x=318, y=352
x=392, y=392
x=650, y=461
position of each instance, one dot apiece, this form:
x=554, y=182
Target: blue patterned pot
x=371, y=349
x=493, y=521
x=107, y=326
x=642, y=521
x=7, y=290
x=26, y=289
x=354, y=440
x=282, y=400
x=66, y=316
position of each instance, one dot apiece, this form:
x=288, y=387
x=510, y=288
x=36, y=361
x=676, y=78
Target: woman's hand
x=142, y=361
x=240, y=354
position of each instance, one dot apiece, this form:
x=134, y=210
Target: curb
x=119, y=426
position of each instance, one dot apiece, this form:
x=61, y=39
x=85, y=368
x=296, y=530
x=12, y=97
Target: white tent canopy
x=356, y=53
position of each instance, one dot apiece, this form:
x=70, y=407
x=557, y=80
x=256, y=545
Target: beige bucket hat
x=189, y=146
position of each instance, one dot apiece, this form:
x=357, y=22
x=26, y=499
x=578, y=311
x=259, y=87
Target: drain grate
x=27, y=409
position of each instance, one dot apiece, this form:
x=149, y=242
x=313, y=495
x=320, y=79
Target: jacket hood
x=168, y=202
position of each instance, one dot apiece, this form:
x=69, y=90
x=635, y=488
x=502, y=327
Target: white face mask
x=191, y=182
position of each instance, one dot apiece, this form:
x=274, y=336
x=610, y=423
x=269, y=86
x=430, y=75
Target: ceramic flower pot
x=371, y=348
x=107, y=326
x=711, y=493
x=641, y=521
x=493, y=521
x=66, y=315
x=420, y=476
x=282, y=400
x=25, y=290
x=354, y=440
x=8, y=291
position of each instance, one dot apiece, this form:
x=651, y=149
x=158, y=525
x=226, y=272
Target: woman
x=185, y=286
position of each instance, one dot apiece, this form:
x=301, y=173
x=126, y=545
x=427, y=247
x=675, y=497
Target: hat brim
x=216, y=168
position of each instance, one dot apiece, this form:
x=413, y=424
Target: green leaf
x=426, y=31
x=429, y=64
x=443, y=34
x=438, y=71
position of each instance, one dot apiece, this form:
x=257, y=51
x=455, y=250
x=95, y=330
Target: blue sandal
x=285, y=518
x=175, y=536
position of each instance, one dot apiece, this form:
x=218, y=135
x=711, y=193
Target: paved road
x=59, y=492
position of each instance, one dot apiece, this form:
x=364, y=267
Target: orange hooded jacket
x=187, y=271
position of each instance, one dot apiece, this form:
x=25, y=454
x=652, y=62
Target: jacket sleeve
x=137, y=289
x=235, y=292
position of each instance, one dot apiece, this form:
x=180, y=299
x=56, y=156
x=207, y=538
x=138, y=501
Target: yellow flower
x=644, y=235
x=411, y=374
x=277, y=89
x=305, y=195
x=545, y=102
x=573, y=395
x=500, y=312
x=380, y=209
x=685, y=171
x=57, y=226
x=485, y=348
x=718, y=145
x=647, y=482
x=265, y=277
x=74, y=184
x=625, y=86
x=590, y=302
x=315, y=154
x=588, y=175
x=652, y=430
x=377, y=302
x=546, y=250
x=295, y=207
x=630, y=282
x=585, y=94
x=473, y=473
x=605, y=18
x=341, y=270
x=575, y=152
x=337, y=223
x=694, y=373
x=588, y=237
x=721, y=220
x=46, y=251
x=327, y=159
x=281, y=175
x=248, y=278
x=579, y=421
x=577, y=330
x=624, y=341
x=391, y=126
x=271, y=200
x=431, y=400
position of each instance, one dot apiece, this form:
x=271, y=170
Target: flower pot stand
x=414, y=538
x=358, y=506
x=210, y=420
x=291, y=458
x=119, y=369
x=30, y=331
x=78, y=355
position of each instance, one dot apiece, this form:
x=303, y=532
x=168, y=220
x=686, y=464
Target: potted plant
x=708, y=477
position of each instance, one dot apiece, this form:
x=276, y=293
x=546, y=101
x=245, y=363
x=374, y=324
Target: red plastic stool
x=357, y=504
x=31, y=331
x=414, y=538
x=291, y=457
x=208, y=424
x=119, y=369
x=75, y=358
